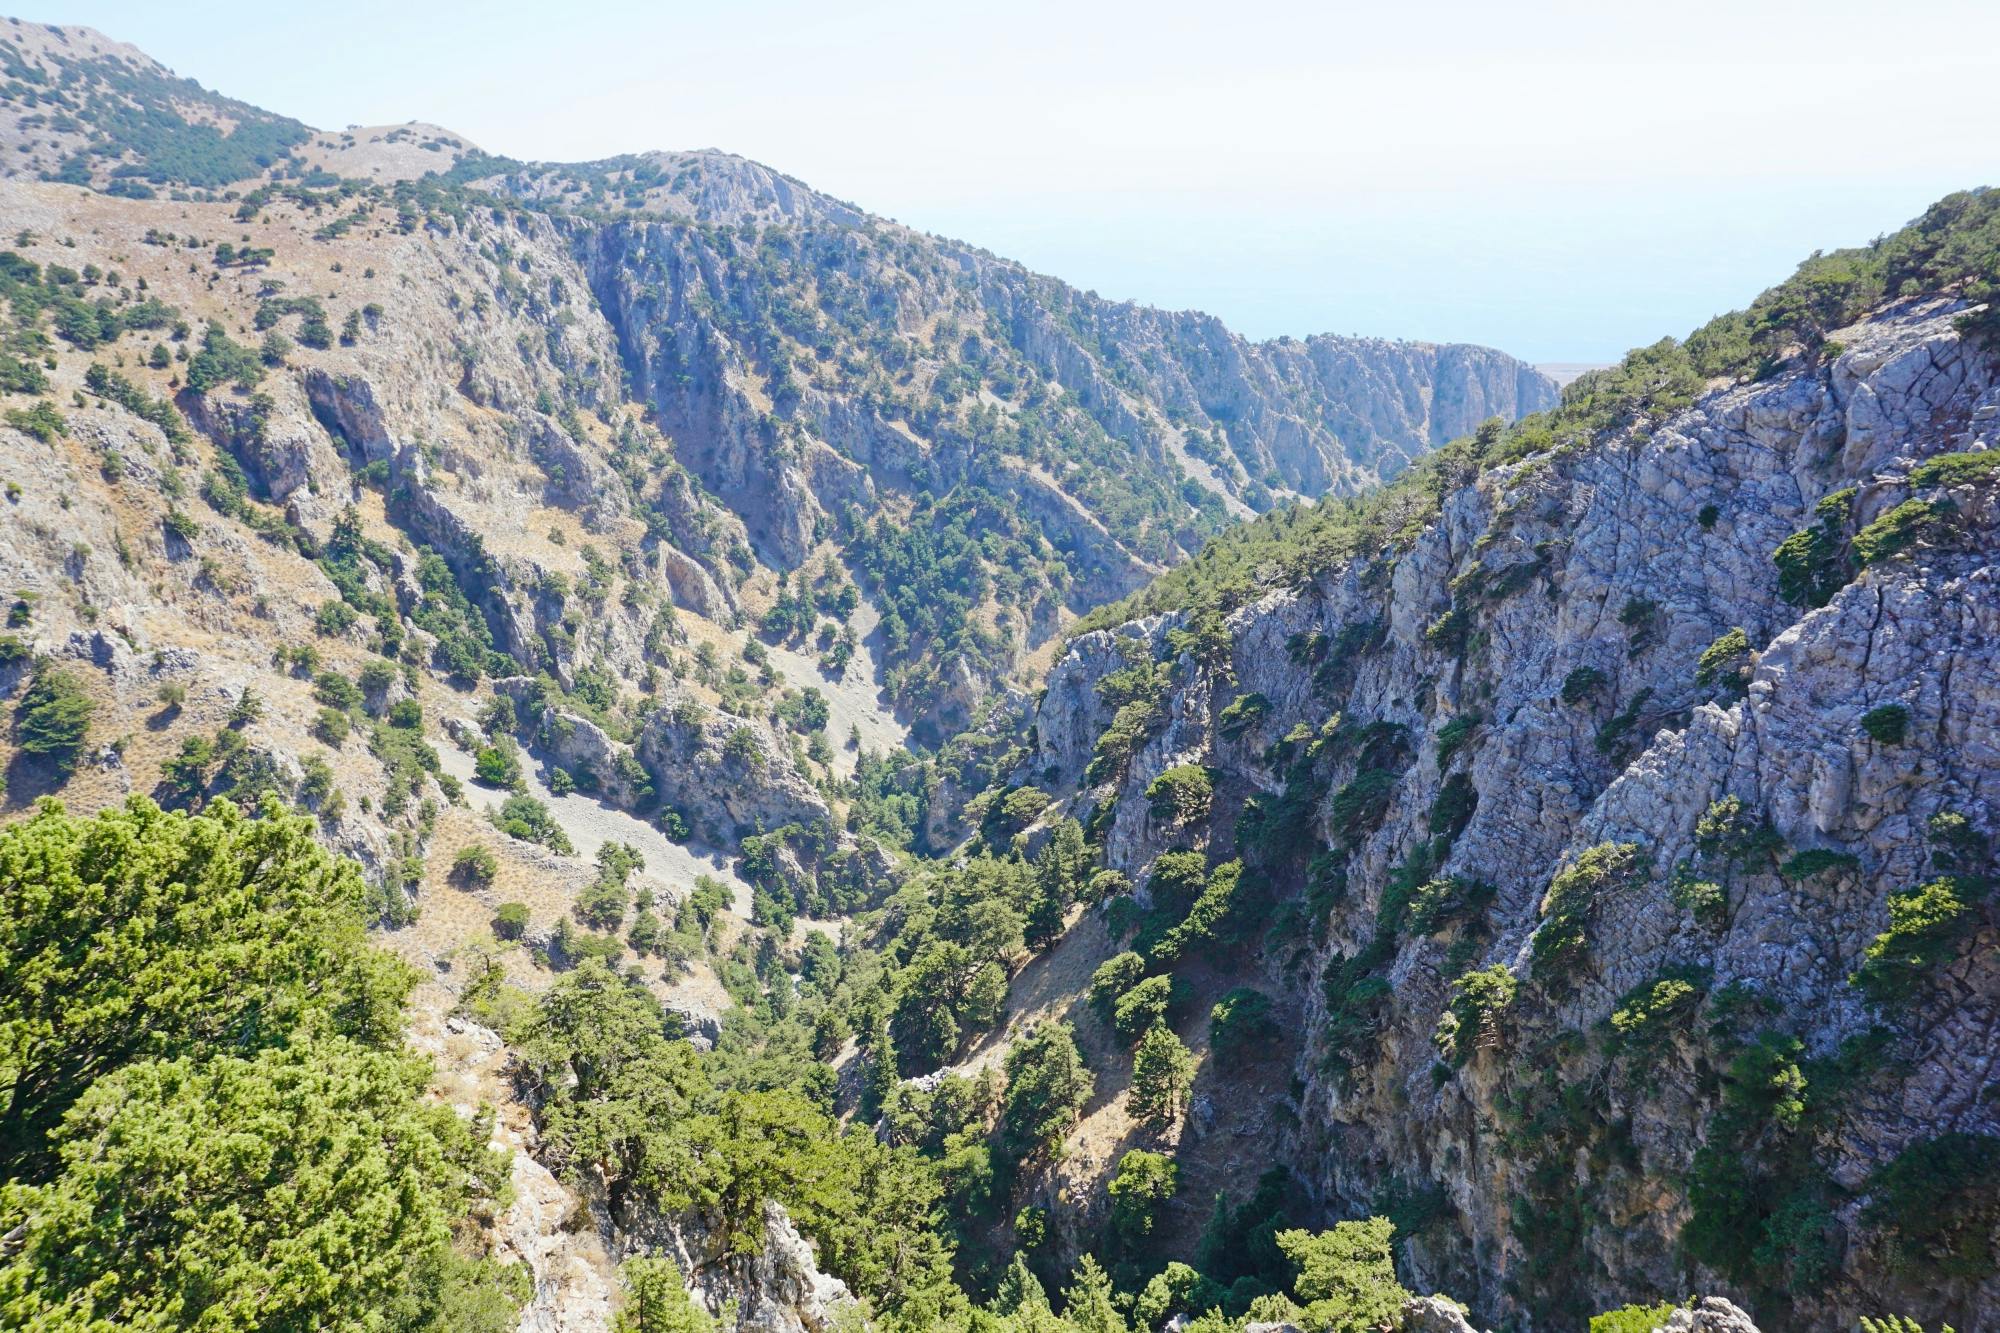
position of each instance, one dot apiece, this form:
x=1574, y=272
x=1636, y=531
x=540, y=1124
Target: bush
x=510, y=921
x=475, y=865
x=1140, y=1190
x=1047, y=1086
x=1561, y=941
x=1726, y=662
x=1887, y=724
x=1113, y=977
x=1581, y=683
x=331, y=726
x=1814, y=564
x=1347, y=1276
x=498, y=765
x=1142, y=1008
x=53, y=720
x=1937, y=1204
x=1632, y=1318
x=522, y=816
x=1240, y=1026
x=1471, y=1020
x=1925, y=926
x=1181, y=793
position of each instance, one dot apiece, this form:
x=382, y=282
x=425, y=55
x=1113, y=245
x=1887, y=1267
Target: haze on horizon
x=1563, y=181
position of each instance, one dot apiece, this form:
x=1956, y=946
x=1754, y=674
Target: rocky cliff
x=1636, y=898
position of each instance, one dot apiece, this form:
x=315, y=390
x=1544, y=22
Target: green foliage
x=1926, y=926
x=522, y=816
x=1181, y=794
x=657, y=1301
x=1938, y=1205
x=1243, y=712
x=475, y=866
x=1346, y=1277
x=1162, y=1076
x=1726, y=662
x=1240, y=1025
x=1815, y=564
x=228, y=1047
x=1886, y=724
x=222, y=360
x=1113, y=978
x=1632, y=1318
x=52, y=722
x=1047, y=1086
x=1903, y=527
x=1561, y=944
x=1652, y=1013
x=510, y=920
x=1143, y=1007
x=1453, y=735
x=1140, y=1189
x=1207, y=918
x=1472, y=1019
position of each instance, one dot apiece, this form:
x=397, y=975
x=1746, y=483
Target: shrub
x=1243, y=713
x=1472, y=1018
x=1561, y=941
x=1346, y=1276
x=522, y=816
x=1142, y=1008
x=510, y=921
x=1814, y=564
x=1140, y=1190
x=1633, y=1318
x=1047, y=1086
x=1887, y=724
x=1113, y=977
x=1901, y=528
x=1649, y=1013
x=1925, y=926
x=498, y=765
x=1937, y=1204
x=1205, y=919
x=1581, y=683
x=1453, y=735
x=1240, y=1025
x=1726, y=662
x=1359, y=807
x=53, y=720
x=331, y=726
x=1181, y=793
x=475, y=865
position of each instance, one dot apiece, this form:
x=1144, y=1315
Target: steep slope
x=1634, y=879
x=833, y=376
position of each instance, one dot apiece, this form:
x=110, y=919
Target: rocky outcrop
x=1589, y=651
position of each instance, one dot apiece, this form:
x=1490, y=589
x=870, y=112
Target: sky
x=1564, y=181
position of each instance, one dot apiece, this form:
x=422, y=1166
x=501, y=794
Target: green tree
x=53, y=720
x=1346, y=1276
x=306, y=1186
x=1140, y=1190
x=1089, y=1305
x=138, y=933
x=1047, y=1086
x=657, y=1301
x=1162, y=1076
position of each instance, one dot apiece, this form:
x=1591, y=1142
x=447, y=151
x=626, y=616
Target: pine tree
x=1162, y=1076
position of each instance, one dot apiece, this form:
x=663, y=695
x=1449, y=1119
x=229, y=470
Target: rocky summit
x=627, y=745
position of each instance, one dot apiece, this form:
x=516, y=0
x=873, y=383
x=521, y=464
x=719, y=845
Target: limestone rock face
x=1525, y=681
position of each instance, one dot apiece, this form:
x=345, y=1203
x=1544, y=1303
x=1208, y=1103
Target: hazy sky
x=1561, y=180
